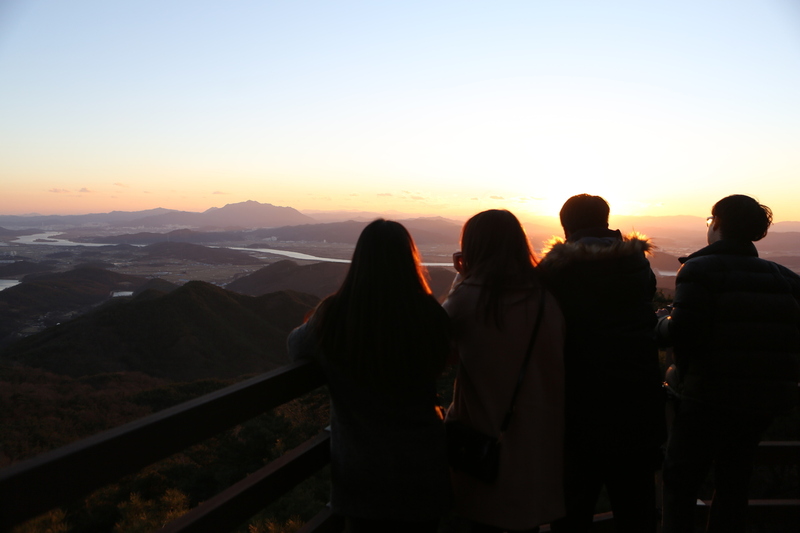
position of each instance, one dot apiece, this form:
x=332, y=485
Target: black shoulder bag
x=475, y=452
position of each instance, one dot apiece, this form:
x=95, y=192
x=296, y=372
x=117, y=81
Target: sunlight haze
x=435, y=108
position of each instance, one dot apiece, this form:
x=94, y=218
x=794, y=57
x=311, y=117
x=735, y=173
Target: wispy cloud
x=84, y=189
x=417, y=198
x=120, y=184
x=219, y=192
x=58, y=191
x=385, y=194
x=497, y=198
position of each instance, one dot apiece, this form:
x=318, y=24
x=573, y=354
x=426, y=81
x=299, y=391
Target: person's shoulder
x=698, y=261
x=786, y=271
x=302, y=342
x=791, y=276
x=561, y=254
x=700, y=266
x=300, y=331
x=428, y=306
x=464, y=295
x=711, y=265
x=637, y=242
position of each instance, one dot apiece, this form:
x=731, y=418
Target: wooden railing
x=774, y=511
x=770, y=511
x=35, y=486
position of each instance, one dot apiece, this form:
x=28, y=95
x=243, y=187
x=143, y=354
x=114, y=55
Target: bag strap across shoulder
x=528, y=353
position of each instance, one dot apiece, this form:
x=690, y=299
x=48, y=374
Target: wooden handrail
x=778, y=452
x=244, y=499
x=29, y=488
x=786, y=511
x=325, y=522
x=32, y=487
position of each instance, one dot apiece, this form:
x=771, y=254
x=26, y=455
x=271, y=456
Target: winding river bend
x=48, y=239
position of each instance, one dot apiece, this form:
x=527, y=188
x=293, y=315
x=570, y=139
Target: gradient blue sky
x=435, y=107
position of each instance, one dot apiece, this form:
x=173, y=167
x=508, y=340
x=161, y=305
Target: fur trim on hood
x=559, y=252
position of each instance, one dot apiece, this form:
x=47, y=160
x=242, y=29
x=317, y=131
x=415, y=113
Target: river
x=47, y=239
x=6, y=283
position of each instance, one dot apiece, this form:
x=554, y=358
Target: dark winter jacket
x=605, y=287
x=736, y=328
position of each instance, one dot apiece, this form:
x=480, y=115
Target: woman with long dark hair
x=382, y=341
x=494, y=310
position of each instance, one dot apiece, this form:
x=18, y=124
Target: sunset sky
x=430, y=107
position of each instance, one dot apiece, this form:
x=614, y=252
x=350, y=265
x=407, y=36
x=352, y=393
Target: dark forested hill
x=196, y=331
x=319, y=279
x=18, y=268
x=53, y=297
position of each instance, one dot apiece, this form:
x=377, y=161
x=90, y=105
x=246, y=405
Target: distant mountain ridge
x=255, y=221
x=249, y=214
x=33, y=221
x=252, y=214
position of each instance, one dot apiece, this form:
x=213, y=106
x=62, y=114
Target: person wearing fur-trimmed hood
x=614, y=401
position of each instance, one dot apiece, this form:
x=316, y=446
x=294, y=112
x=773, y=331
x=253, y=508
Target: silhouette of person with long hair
x=382, y=341
x=493, y=310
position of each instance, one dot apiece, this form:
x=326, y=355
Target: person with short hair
x=735, y=332
x=615, y=418
x=382, y=341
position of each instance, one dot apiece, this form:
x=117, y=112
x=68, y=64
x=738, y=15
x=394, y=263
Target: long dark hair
x=496, y=252
x=383, y=322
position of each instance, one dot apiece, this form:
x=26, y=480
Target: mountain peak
x=247, y=204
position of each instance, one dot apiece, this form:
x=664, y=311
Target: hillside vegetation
x=196, y=331
x=134, y=356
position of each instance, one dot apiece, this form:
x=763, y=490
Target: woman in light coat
x=493, y=309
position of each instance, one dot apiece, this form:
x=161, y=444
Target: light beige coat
x=529, y=488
